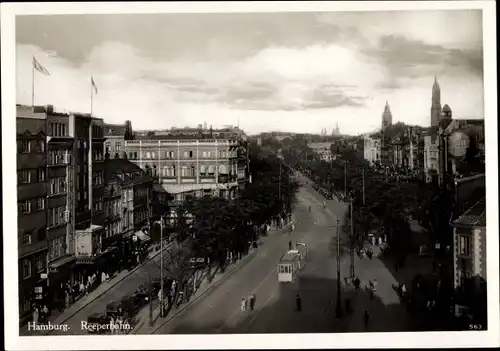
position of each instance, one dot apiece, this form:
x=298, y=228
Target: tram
x=288, y=267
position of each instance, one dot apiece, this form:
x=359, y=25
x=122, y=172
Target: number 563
x=475, y=327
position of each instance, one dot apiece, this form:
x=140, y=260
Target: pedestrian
x=403, y=290
x=243, y=305
x=290, y=245
x=112, y=324
x=82, y=287
x=298, y=303
x=66, y=300
x=366, y=319
x=36, y=315
x=103, y=277
x=357, y=283
x=45, y=311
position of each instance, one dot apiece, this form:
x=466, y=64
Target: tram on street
x=288, y=267
x=301, y=250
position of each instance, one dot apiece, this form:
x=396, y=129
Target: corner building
x=192, y=167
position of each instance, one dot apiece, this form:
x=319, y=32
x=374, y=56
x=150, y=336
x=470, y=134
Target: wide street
x=219, y=311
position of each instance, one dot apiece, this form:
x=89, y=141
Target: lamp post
x=353, y=243
x=339, y=304
x=162, y=310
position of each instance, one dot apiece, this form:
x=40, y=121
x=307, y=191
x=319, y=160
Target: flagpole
x=91, y=97
x=33, y=81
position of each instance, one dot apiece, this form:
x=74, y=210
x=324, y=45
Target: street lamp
x=162, y=309
x=339, y=304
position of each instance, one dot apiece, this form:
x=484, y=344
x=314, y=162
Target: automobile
x=98, y=319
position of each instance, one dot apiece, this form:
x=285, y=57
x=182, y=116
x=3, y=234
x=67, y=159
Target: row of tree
x=379, y=202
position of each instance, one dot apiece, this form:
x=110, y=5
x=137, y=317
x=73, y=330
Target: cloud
x=408, y=57
x=310, y=70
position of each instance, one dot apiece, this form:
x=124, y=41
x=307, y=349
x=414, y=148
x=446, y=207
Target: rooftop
x=125, y=171
x=475, y=216
x=39, y=111
x=114, y=129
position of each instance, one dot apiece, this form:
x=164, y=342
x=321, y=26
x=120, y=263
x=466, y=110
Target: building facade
x=115, y=135
x=33, y=244
x=193, y=167
x=322, y=150
x=469, y=259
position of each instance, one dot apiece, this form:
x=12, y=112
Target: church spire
x=435, y=103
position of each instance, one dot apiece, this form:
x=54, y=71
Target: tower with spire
x=386, y=116
x=436, y=103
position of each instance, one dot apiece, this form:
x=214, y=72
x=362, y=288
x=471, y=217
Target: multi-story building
x=370, y=148
x=135, y=188
x=213, y=164
x=323, y=150
x=447, y=147
x=469, y=231
x=115, y=135
x=32, y=205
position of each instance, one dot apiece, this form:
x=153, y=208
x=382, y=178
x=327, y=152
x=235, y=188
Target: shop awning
x=142, y=236
x=61, y=262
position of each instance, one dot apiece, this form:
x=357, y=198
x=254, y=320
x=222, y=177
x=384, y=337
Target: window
x=24, y=146
x=222, y=169
x=40, y=146
x=24, y=176
x=211, y=170
x=62, y=185
x=190, y=154
x=464, y=247
x=27, y=239
x=26, y=268
x=186, y=154
x=57, y=247
x=56, y=216
x=118, y=146
x=40, y=174
x=39, y=263
x=184, y=171
x=203, y=170
x=193, y=171
x=25, y=207
x=58, y=129
x=40, y=203
x=148, y=155
x=107, y=146
x=135, y=155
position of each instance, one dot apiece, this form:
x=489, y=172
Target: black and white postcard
x=250, y=175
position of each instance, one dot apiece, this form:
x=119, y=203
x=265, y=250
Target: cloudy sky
x=272, y=71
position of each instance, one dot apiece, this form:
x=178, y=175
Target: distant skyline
x=294, y=72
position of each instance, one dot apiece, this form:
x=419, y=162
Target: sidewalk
x=143, y=326
x=57, y=317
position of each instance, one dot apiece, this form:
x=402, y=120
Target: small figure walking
x=252, y=301
x=298, y=303
x=243, y=304
x=366, y=319
x=290, y=245
x=357, y=282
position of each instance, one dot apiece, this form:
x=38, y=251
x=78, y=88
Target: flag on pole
x=38, y=66
x=93, y=84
